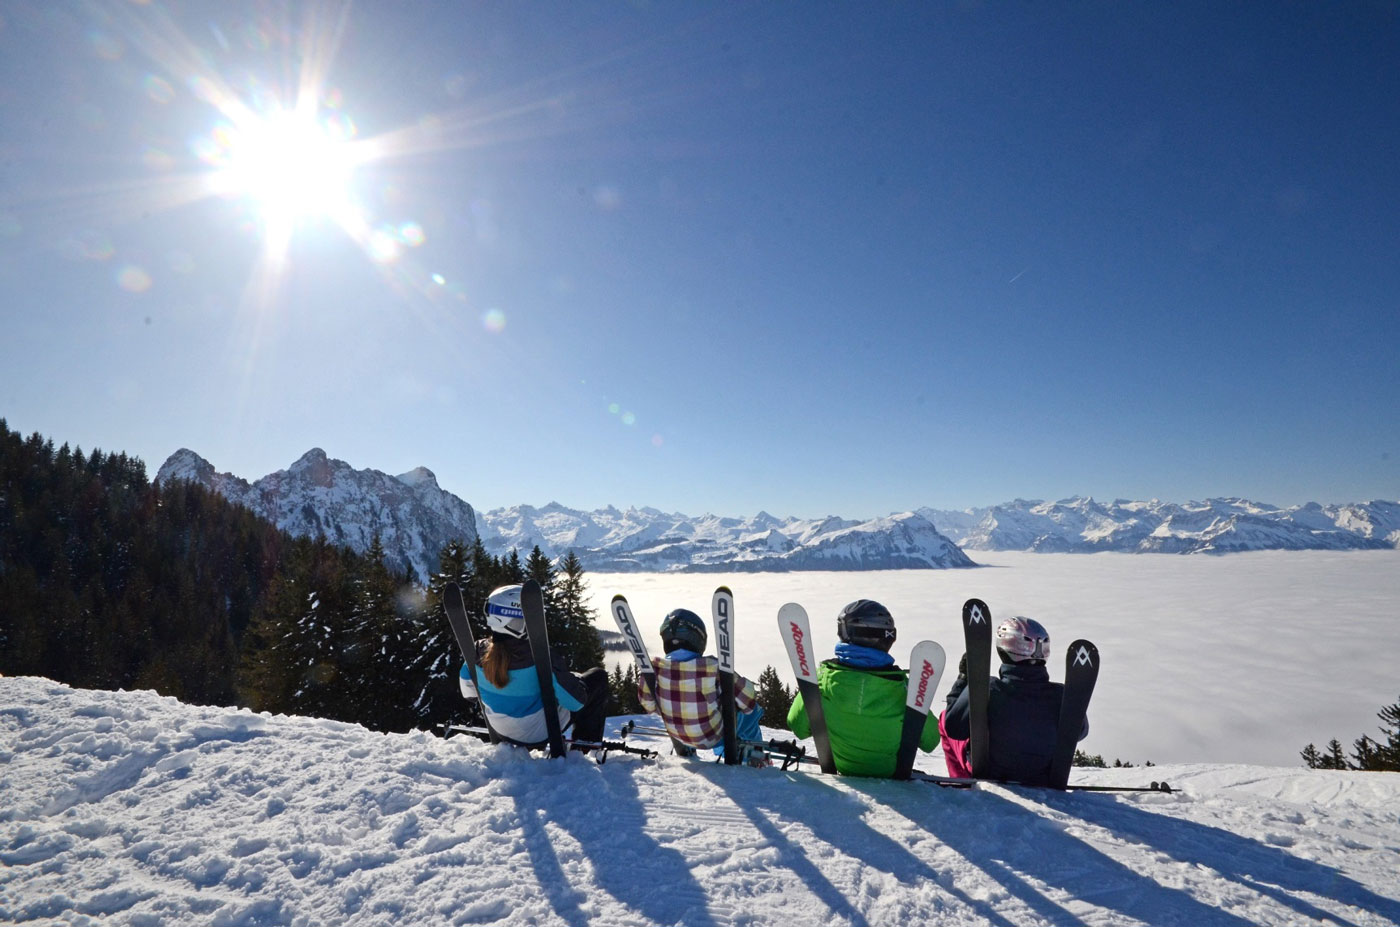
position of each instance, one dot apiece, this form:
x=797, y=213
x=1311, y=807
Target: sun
x=291, y=165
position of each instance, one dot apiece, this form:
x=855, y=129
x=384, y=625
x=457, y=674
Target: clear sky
x=803, y=257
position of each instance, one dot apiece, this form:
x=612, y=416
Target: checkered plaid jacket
x=688, y=692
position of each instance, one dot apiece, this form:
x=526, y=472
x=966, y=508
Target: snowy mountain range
x=1082, y=525
x=413, y=516
x=130, y=808
x=649, y=540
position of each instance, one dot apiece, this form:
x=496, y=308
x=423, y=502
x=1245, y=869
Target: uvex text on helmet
x=682, y=629
x=867, y=623
x=503, y=612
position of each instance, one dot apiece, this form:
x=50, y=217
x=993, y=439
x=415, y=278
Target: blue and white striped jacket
x=515, y=711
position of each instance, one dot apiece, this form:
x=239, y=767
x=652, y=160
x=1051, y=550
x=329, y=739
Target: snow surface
x=1239, y=659
x=130, y=808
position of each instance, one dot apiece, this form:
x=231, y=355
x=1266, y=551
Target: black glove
x=962, y=666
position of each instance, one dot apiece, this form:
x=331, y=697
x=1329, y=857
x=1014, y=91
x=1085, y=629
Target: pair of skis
x=536, y=632
x=926, y=664
x=1081, y=672
x=722, y=618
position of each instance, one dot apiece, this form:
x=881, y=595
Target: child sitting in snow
x=687, y=690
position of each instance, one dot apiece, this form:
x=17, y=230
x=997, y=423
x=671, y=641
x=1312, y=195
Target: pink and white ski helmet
x=1022, y=639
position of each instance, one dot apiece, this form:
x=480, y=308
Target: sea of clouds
x=1238, y=659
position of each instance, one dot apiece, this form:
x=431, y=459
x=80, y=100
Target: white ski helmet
x=1022, y=640
x=503, y=612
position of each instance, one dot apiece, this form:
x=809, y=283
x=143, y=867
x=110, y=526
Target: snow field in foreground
x=129, y=808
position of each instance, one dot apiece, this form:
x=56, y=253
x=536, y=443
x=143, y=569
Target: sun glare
x=292, y=166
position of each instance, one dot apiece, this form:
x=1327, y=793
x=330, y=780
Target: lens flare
x=158, y=89
x=133, y=279
x=494, y=321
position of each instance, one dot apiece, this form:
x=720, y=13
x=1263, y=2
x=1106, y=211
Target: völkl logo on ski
x=975, y=616
x=1082, y=658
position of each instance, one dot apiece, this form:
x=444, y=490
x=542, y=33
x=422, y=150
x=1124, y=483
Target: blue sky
x=808, y=258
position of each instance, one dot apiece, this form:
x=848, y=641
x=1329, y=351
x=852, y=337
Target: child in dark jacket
x=1023, y=710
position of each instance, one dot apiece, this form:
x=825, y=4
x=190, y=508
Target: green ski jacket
x=864, y=711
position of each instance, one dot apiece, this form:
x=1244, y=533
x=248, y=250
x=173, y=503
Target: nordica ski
x=977, y=635
x=532, y=604
x=1081, y=672
x=722, y=609
x=797, y=636
x=622, y=614
x=925, y=673
x=456, y=608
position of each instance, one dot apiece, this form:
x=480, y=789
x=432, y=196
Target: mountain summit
x=320, y=495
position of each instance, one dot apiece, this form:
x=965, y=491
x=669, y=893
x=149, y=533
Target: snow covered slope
x=413, y=516
x=1082, y=525
x=128, y=808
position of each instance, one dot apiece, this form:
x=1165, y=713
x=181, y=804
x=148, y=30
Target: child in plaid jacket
x=687, y=687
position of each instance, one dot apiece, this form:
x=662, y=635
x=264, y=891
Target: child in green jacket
x=863, y=694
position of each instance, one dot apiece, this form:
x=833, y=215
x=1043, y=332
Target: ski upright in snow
x=722, y=611
x=925, y=673
x=1081, y=672
x=532, y=604
x=977, y=635
x=627, y=624
x=456, y=607
x=797, y=636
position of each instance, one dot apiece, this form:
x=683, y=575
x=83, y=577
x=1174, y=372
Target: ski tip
x=725, y=590
x=619, y=598
x=1082, y=653
x=976, y=611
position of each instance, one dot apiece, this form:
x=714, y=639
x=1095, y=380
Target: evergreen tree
x=513, y=570
x=774, y=697
x=1388, y=752
x=1367, y=753
x=572, y=627
x=623, y=683
x=375, y=652
x=1335, y=758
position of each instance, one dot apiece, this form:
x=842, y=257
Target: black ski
x=622, y=614
x=722, y=609
x=532, y=604
x=977, y=635
x=968, y=783
x=925, y=673
x=456, y=607
x=1081, y=672
x=601, y=747
x=797, y=636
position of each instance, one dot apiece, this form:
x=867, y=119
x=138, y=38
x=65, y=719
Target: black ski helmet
x=682, y=629
x=867, y=623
